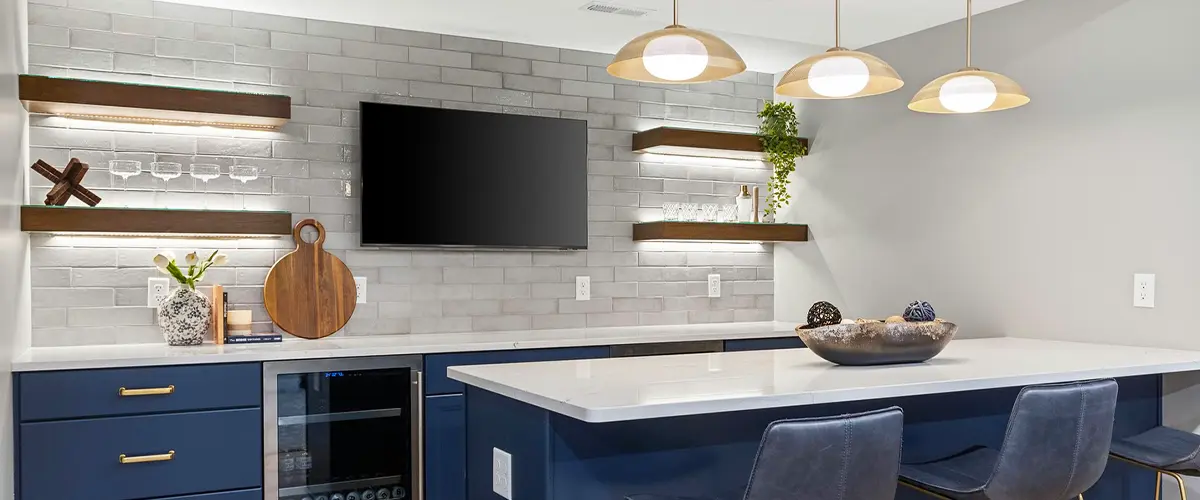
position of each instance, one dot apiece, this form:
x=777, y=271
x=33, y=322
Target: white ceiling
x=770, y=34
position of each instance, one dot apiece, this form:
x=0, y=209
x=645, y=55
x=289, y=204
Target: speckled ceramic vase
x=185, y=317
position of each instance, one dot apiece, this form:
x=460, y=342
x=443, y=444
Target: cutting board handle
x=316, y=244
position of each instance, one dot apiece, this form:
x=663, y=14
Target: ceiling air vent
x=612, y=8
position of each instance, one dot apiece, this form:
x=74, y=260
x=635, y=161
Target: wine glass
x=205, y=172
x=244, y=173
x=166, y=170
x=124, y=169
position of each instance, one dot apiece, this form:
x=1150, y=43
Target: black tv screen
x=455, y=178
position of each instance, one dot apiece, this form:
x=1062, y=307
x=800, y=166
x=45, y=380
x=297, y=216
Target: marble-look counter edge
x=613, y=394
x=132, y=355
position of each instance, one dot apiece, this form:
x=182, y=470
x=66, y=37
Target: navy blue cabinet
x=445, y=415
x=445, y=447
x=763, y=344
x=436, y=381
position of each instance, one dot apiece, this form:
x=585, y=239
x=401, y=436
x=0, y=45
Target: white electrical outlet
x=1143, y=290
x=157, y=290
x=360, y=290
x=502, y=473
x=714, y=285
x=583, y=288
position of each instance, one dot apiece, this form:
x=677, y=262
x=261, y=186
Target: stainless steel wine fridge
x=343, y=429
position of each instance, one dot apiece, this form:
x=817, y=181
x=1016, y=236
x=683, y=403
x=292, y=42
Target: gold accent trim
x=923, y=490
x=723, y=60
x=153, y=391
x=1157, y=478
x=125, y=459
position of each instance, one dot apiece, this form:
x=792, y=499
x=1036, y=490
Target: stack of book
x=223, y=334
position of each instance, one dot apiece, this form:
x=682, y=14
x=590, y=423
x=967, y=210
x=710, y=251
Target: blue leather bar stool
x=1055, y=448
x=846, y=457
x=1163, y=450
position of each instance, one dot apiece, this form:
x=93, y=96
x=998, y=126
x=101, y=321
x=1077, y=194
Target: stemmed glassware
x=124, y=169
x=244, y=173
x=166, y=170
x=205, y=172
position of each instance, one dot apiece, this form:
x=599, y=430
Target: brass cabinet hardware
x=153, y=391
x=125, y=459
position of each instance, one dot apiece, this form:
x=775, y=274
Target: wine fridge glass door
x=346, y=429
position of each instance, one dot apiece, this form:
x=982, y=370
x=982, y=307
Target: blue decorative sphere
x=919, y=311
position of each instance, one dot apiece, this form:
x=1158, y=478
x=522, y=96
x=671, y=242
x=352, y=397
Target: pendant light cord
x=837, y=23
x=968, y=33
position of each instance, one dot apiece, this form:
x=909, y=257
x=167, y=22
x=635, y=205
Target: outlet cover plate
x=714, y=285
x=360, y=290
x=1143, y=290
x=502, y=473
x=583, y=288
x=157, y=290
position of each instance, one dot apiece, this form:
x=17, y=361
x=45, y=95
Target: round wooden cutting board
x=309, y=293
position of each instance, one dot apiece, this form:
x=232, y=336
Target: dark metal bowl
x=878, y=343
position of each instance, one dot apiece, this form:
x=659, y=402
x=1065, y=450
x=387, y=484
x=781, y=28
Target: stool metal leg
x=1158, y=473
x=927, y=492
x=1178, y=479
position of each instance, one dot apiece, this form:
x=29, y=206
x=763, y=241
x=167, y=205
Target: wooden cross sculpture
x=66, y=183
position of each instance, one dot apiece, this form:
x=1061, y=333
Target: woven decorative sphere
x=823, y=314
x=919, y=311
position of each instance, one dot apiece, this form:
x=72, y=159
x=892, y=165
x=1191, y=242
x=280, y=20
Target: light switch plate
x=1143, y=290
x=714, y=285
x=157, y=290
x=502, y=473
x=360, y=290
x=583, y=288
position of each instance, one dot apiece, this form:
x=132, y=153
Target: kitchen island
x=689, y=425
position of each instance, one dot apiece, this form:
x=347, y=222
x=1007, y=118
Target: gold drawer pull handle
x=154, y=391
x=170, y=455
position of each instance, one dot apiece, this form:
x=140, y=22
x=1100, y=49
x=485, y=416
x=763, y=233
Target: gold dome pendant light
x=839, y=73
x=676, y=54
x=969, y=90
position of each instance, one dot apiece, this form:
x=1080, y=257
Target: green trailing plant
x=780, y=135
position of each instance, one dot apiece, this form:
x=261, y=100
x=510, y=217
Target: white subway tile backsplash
x=234, y=35
x=341, y=30
x=268, y=22
x=46, y=15
x=472, y=45
x=207, y=15
x=342, y=65
x=409, y=38
x=109, y=41
x=306, y=43
x=95, y=293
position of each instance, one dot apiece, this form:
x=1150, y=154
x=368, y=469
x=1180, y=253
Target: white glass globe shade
x=968, y=94
x=839, y=76
x=675, y=57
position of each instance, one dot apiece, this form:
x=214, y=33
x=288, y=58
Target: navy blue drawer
x=214, y=451
x=436, y=381
x=255, y=494
x=95, y=393
x=764, y=344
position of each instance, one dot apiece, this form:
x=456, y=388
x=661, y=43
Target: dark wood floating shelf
x=154, y=222
x=140, y=103
x=718, y=231
x=705, y=143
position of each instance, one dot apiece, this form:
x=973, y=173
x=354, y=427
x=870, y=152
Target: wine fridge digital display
x=343, y=429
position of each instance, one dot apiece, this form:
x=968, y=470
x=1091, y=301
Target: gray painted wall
x=14, y=245
x=1029, y=222
x=92, y=291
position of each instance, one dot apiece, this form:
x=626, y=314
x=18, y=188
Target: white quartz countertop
x=113, y=356
x=616, y=389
